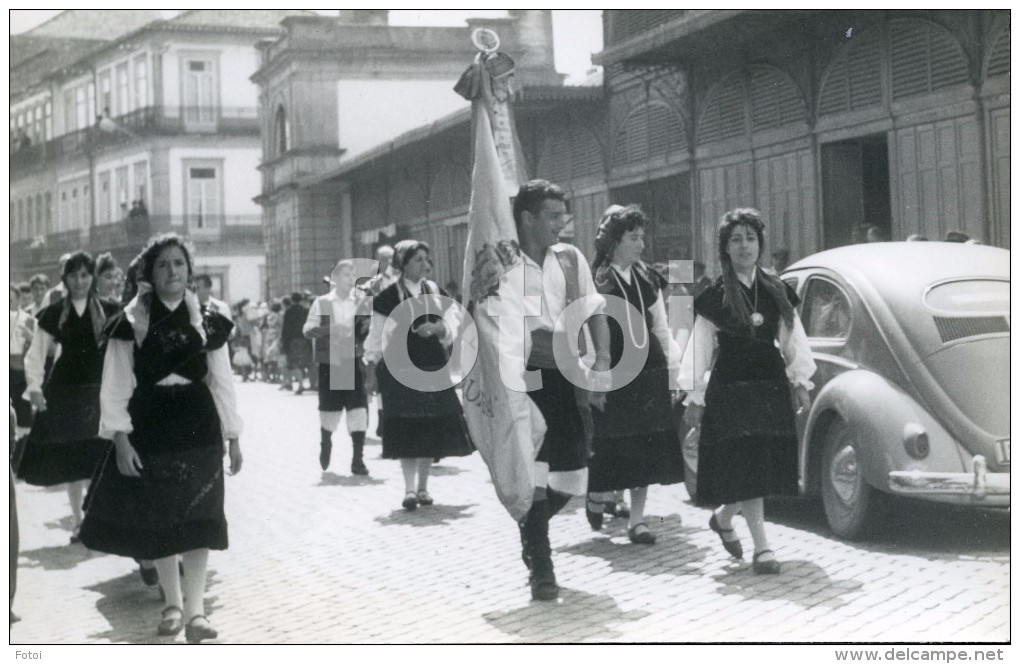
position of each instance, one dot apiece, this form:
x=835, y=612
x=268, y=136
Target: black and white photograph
x=511, y=326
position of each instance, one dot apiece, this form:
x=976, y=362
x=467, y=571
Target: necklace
x=756, y=318
x=641, y=299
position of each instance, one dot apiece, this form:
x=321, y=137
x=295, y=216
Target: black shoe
x=593, y=511
x=358, y=467
x=325, y=451
x=410, y=501
x=150, y=576
x=195, y=633
x=765, y=566
x=171, y=624
x=640, y=534
x=732, y=547
x=543, y=581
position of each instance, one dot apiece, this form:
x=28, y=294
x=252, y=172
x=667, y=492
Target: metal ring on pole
x=486, y=40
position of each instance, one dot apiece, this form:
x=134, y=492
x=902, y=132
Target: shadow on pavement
x=332, y=479
x=801, y=582
x=63, y=557
x=582, y=616
x=433, y=515
x=443, y=471
x=911, y=527
x=133, y=610
x=671, y=554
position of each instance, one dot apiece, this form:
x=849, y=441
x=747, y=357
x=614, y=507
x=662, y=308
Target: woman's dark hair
x=616, y=222
x=533, y=194
x=275, y=307
x=405, y=251
x=732, y=298
x=155, y=247
x=105, y=262
x=77, y=261
x=286, y=302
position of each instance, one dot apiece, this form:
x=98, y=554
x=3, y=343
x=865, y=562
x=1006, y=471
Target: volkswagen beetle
x=911, y=398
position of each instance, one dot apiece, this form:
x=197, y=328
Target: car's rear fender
x=877, y=411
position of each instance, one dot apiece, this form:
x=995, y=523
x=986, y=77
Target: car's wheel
x=690, y=452
x=853, y=508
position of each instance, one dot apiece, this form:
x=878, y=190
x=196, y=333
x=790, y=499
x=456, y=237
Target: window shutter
x=925, y=58
x=855, y=78
x=998, y=63
x=775, y=100
x=723, y=116
x=628, y=23
x=587, y=159
x=665, y=131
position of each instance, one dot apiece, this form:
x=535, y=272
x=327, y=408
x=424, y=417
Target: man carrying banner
x=526, y=424
x=555, y=275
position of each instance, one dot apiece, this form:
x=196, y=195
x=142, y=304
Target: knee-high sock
x=724, y=515
x=557, y=500
x=638, y=498
x=424, y=465
x=358, y=442
x=409, y=467
x=169, y=581
x=754, y=513
x=327, y=436
x=195, y=564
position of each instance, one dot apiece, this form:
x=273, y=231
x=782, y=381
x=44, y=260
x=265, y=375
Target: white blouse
x=43, y=344
x=660, y=328
x=381, y=331
x=695, y=370
x=119, y=384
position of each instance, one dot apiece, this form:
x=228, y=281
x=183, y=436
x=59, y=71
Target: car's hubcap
x=845, y=474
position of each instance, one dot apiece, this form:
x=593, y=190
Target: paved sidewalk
x=332, y=558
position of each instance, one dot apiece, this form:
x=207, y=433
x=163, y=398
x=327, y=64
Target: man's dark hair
x=533, y=194
x=39, y=279
x=204, y=280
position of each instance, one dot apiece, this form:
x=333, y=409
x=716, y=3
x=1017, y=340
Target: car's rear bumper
x=980, y=486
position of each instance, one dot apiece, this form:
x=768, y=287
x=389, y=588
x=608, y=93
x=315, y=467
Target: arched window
x=281, y=131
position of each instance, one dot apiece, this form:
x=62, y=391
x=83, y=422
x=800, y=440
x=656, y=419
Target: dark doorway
x=855, y=190
x=667, y=203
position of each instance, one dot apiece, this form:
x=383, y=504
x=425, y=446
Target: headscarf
x=405, y=250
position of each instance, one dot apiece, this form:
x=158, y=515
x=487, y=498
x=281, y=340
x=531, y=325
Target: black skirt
x=177, y=503
x=64, y=445
x=420, y=424
x=748, y=444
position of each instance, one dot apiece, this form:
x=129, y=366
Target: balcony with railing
x=210, y=229
x=138, y=124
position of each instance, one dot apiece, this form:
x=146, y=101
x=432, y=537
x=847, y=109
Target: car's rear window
x=974, y=296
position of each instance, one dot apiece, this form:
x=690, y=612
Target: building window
x=37, y=125
x=141, y=82
x=105, y=94
x=142, y=183
x=48, y=217
x=48, y=121
x=69, y=123
x=90, y=92
x=21, y=220
x=282, y=132
x=29, y=218
x=40, y=219
x=80, y=108
x=105, y=199
x=123, y=89
x=204, y=203
x=199, y=92
x=122, y=193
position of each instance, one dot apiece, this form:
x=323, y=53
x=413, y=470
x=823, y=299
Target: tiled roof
x=34, y=57
x=238, y=18
x=103, y=24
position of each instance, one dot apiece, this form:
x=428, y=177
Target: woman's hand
x=38, y=401
x=234, y=452
x=693, y=414
x=803, y=399
x=426, y=330
x=128, y=462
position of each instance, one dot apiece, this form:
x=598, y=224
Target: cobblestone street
x=330, y=558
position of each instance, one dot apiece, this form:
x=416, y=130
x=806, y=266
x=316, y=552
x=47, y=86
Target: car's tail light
x=1002, y=451
x=915, y=440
